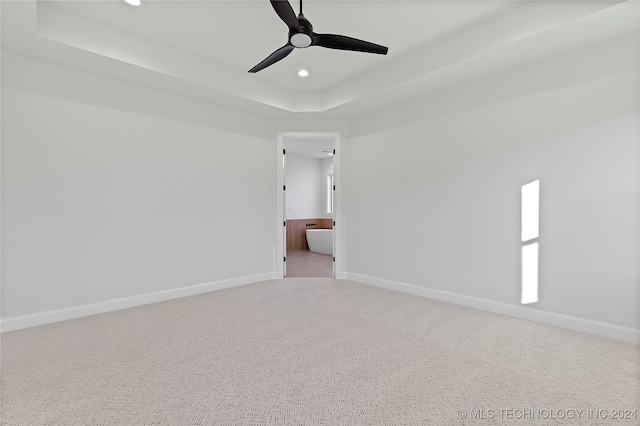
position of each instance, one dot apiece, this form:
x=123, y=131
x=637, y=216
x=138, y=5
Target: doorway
x=308, y=204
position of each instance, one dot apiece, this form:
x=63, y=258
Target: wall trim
x=611, y=331
x=48, y=317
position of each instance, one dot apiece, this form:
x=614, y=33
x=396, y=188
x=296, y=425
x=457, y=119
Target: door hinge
x=284, y=151
x=334, y=258
x=334, y=152
x=334, y=187
x=334, y=223
x=284, y=187
x=284, y=223
x=285, y=259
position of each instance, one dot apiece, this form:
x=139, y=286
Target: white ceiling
x=239, y=34
x=203, y=49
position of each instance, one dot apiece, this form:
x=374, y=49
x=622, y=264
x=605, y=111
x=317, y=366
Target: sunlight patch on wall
x=530, y=231
x=530, y=210
x=529, y=293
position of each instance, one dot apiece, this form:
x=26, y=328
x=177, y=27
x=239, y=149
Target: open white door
x=333, y=197
x=284, y=209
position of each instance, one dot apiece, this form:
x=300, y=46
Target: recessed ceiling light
x=303, y=73
x=134, y=2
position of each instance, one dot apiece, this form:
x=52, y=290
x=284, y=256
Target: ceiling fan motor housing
x=304, y=37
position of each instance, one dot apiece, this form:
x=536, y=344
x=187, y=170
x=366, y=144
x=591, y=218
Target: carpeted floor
x=312, y=352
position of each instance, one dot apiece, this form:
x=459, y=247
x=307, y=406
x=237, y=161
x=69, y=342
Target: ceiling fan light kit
x=300, y=40
x=301, y=35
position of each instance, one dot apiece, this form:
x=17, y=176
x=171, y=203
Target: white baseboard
x=41, y=318
x=625, y=334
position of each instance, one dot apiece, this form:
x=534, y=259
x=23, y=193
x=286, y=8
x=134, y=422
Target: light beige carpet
x=312, y=352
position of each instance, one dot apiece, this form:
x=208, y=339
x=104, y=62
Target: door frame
x=281, y=136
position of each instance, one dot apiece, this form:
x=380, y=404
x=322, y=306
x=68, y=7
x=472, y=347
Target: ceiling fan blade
x=273, y=58
x=340, y=42
x=286, y=13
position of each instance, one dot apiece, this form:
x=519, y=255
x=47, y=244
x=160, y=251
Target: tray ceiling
x=203, y=49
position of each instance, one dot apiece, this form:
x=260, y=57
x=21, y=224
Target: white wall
x=101, y=201
x=304, y=185
x=434, y=185
x=106, y=187
x=307, y=187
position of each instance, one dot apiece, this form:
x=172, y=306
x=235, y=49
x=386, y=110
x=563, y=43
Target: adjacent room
x=370, y=213
x=308, y=205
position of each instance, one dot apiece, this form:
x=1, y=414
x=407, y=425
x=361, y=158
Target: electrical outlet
x=383, y=264
x=176, y=271
x=194, y=269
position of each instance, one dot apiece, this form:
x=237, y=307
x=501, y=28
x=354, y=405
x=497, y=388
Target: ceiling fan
x=301, y=35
